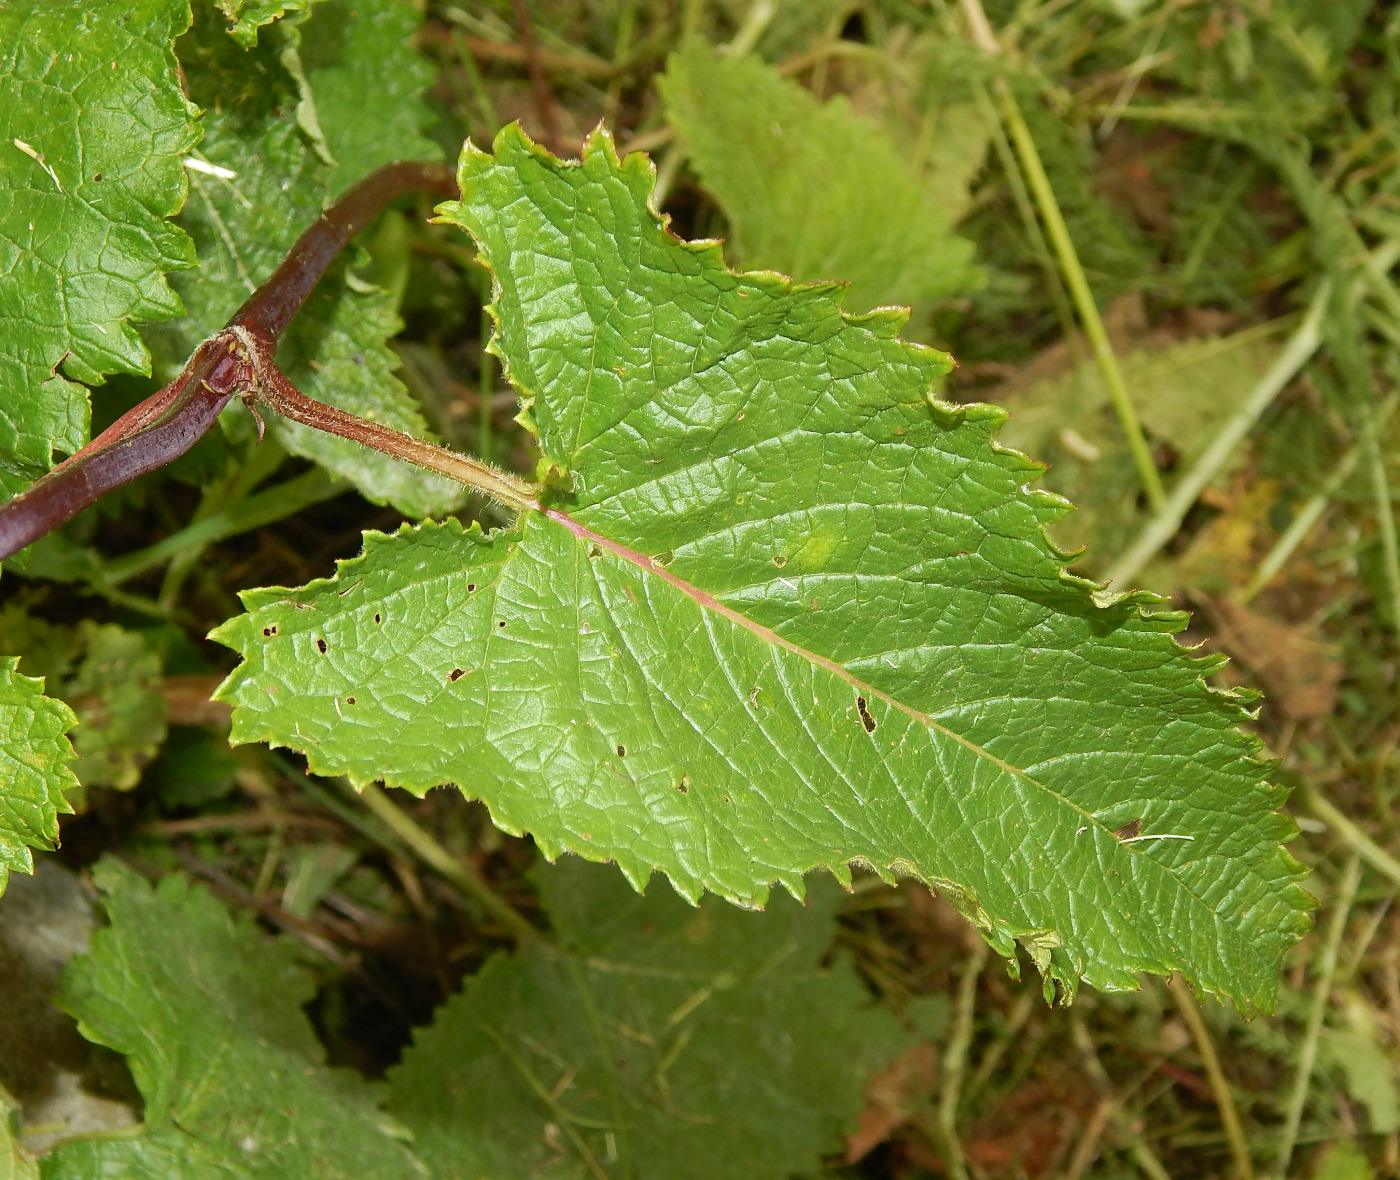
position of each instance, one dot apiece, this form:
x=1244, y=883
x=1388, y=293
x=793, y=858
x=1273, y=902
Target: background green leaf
x=91, y=90
x=209, y=1014
x=658, y=1041
x=14, y=1164
x=247, y=17
x=872, y=639
x=813, y=189
x=110, y=678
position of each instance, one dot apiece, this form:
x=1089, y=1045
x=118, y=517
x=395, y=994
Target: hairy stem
x=277, y=393
x=174, y=420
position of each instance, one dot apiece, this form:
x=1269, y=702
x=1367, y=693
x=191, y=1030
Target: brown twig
x=544, y=96
x=243, y=821
x=584, y=65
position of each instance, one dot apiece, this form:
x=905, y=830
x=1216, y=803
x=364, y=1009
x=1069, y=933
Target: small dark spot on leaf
x=270, y=630
x=594, y=551
x=97, y=176
x=321, y=646
x=621, y=750
x=779, y=560
x=865, y=718
x=456, y=674
x=1129, y=830
x=501, y=623
x=684, y=785
x=349, y=700
x=471, y=587
x=727, y=799
x=739, y=417
x=378, y=618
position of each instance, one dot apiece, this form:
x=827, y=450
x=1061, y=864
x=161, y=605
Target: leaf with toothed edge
x=93, y=129
x=787, y=610
x=34, y=772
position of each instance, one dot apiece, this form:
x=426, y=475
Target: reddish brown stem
x=169, y=424
x=277, y=393
x=272, y=306
x=171, y=421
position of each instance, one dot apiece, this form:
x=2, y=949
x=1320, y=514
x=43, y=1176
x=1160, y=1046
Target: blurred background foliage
x=1192, y=203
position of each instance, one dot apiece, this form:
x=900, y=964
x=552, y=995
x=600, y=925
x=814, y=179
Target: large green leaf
x=795, y=612
x=34, y=757
x=209, y=1014
x=660, y=1041
x=93, y=129
x=813, y=189
x=243, y=225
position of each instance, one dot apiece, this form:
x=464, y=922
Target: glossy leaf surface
x=93, y=129
x=792, y=612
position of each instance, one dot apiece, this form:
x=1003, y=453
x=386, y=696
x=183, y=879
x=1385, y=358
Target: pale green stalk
x=264, y=508
x=1078, y=284
x=1301, y=525
x=756, y=21
x=1307, y=1056
x=1385, y=521
x=433, y=854
x=1190, y=1010
x=263, y=460
x=955, y=1063
x=1022, y=198
x=1143, y=1155
x=1165, y=522
x=1311, y=512
x=1350, y=834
